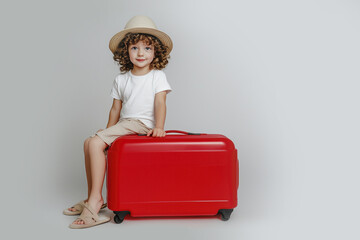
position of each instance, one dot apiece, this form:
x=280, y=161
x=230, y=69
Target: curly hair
x=161, y=52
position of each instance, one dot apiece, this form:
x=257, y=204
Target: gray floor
x=47, y=222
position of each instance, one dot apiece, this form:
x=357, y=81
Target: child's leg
x=97, y=166
x=87, y=169
x=87, y=165
x=97, y=159
x=96, y=147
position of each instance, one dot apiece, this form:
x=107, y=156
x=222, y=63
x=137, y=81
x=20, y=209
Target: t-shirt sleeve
x=115, y=91
x=161, y=83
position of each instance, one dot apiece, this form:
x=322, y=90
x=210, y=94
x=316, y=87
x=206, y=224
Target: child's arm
x=160, y=114
x=114, y=114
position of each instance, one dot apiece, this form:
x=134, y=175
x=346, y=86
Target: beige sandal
x=90, y=218
x=79, y=208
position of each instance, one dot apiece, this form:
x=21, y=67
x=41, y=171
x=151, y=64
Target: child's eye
x=148, y=48
x=134, y=48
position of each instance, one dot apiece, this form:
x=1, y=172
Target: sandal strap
x=88, y=207
x=88, y=216
x=79, y=206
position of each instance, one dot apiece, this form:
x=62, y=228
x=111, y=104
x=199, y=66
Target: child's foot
x=95, y=205
x=89, y=217
x=74, y=210
x=78, y=208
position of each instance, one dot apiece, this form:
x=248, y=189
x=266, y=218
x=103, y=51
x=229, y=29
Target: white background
x=279, y=78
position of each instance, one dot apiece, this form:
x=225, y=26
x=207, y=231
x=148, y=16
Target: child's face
x=141, y=54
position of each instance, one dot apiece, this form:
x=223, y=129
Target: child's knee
x=86, y=142
x=96, y=142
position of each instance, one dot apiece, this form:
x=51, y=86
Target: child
x=139, y=106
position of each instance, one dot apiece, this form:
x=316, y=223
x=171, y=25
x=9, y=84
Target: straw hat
x=140, y=24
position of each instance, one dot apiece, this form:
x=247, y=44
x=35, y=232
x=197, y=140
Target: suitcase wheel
x=225, y=214
x=120, y=216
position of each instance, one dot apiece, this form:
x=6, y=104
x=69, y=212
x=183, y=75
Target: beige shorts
x=124, y=127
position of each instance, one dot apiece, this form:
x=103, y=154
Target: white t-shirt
x=137, y=94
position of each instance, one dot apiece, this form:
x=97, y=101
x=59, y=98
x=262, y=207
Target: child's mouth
x=140, y=60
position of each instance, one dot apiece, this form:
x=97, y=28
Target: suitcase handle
x=176, y=131
x=182, y=132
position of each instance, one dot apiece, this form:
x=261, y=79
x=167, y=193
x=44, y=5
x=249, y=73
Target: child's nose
x=140, y=52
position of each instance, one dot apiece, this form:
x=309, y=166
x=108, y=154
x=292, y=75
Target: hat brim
x=163, y=37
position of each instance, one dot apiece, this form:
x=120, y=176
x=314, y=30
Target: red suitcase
x=177, y=175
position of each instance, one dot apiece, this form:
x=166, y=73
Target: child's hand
x=157, y=132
